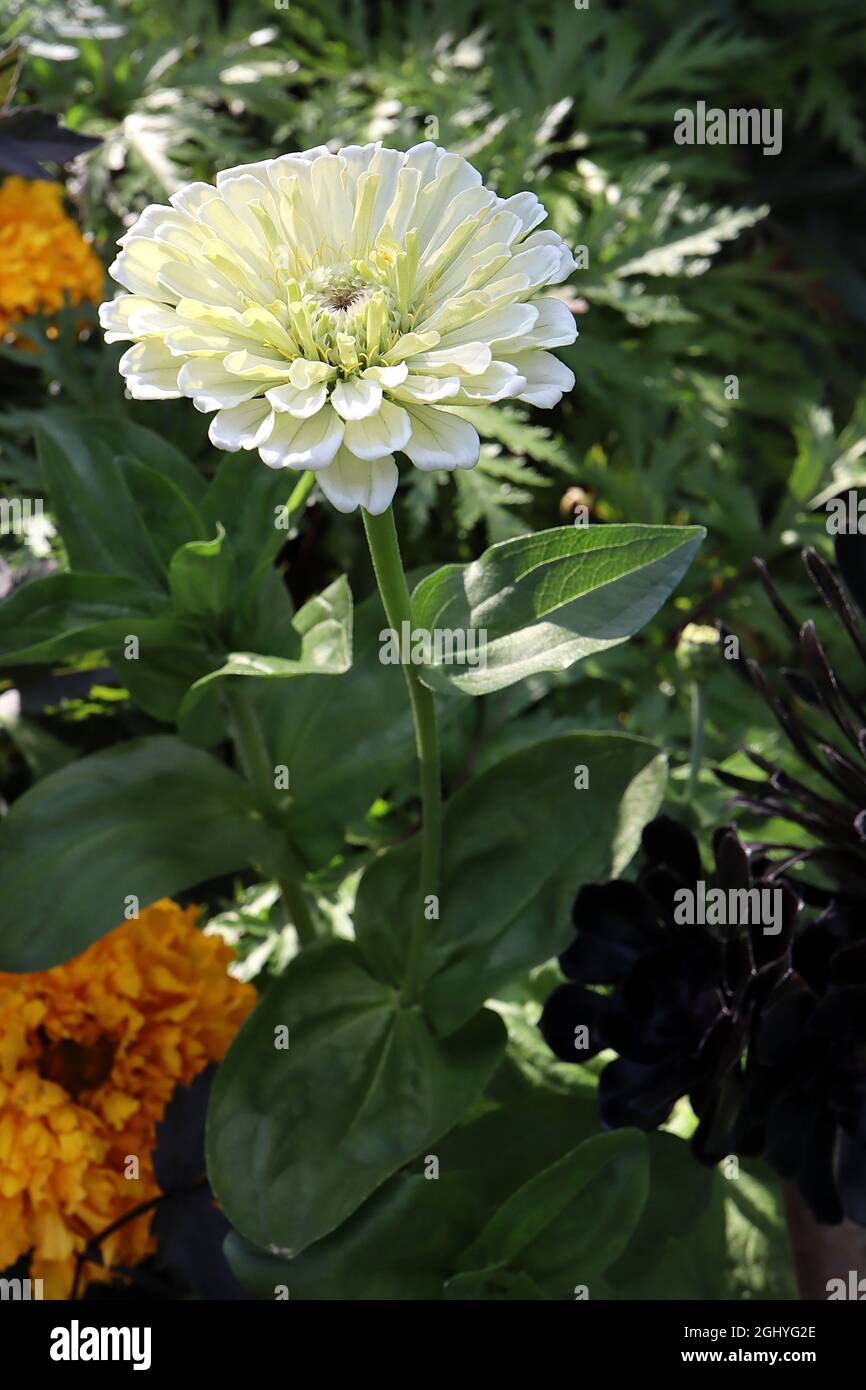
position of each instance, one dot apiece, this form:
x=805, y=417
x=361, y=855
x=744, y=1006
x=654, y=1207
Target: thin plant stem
x=390, y=576
x=698, y=720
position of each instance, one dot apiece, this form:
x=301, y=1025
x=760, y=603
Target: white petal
x=473, y=358
x=398, y=219
x=132, y=316
x=114, y=317
x=250, y=365
x=303, y=373
x=150, y=371
x=200, y=281
x=356, y=398
x=546, y=377
x=137, y=268
x=388, y=377
x=157, y=215
x=242, y=427
x=554, y=327
x=539, y=264
x=500, y=381
x=527, y=207
x=350, y=482
x=190, y=198
x=440, y=439
x=310, y=443
x=495, y=327
x=379, y=434
x=298, y=401
x=409, y=344
x=426, y=388
x=211, y=386
x=567, y=262
x=330, y=193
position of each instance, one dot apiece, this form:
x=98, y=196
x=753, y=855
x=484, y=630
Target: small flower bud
x=698, y=651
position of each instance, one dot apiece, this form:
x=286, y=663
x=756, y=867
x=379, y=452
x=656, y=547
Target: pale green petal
x=379, y=434
x=350, y=482
x=211, y=387
x=440, y=439
x=547, y=379
x=356, y=398
x=150, y=371
x=310, y=443
x=298, y=401
x=242, y=427
x=427, y=388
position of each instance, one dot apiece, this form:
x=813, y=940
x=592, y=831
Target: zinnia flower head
x=334, y=308
x=43, y=256
x=90, y=1053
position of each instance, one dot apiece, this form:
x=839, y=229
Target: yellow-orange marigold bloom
x=90, y=1053
x=43, y=255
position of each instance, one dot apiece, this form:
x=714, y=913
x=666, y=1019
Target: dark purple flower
x=682, y=996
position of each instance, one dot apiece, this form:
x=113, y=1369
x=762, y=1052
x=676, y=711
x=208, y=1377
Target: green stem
x=259, y=769
x=300, y=494
x=698, y=719
x=388, y=565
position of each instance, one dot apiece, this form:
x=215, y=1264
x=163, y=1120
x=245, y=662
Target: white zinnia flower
x=331, y=308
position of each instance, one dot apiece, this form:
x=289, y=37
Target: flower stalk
x=390, y=576
x=698, y=717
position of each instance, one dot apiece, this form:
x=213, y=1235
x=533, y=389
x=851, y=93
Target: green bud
x=698, y=651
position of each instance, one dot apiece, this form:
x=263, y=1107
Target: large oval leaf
x=300, y=1135
x=543, y=602
x=147, y=818
x=564, y=1227
x=518, y=842
x=64, y=615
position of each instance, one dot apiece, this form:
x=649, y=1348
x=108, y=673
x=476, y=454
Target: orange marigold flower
x=90, y=1053
x=43, y=255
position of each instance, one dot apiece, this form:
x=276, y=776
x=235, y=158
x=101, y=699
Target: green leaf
x=250, y=502
x=168, y=515
x=399, y=1245
x=405, y=1239
x=299, y=1136
x=503, y=1148
x=202, y=578
x=518, y=842
x=492, y=1285
x=65, y=615
x=543, y=602
x=148, y=818
x=569, y=1224
x=160, y=677
x=344, y=741
x=759, y=1251
x=678, y=1249
x=321, y=638
x=93, y=493
x=42, y=752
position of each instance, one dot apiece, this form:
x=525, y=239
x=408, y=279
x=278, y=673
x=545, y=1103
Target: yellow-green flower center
x=343, y=314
